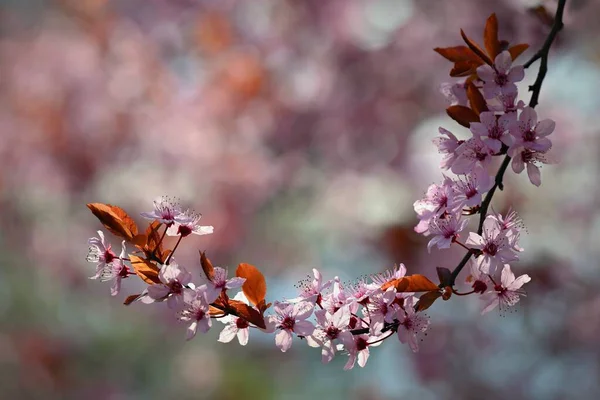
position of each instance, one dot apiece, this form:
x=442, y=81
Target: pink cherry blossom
x=99, y=252
x=508, y=292
x=494, y=244
x=312, y=291
x=445, y=230
x=511, y=225
x=357, y=347
x=507, y=103
x=531, y=134
x=511, y=221
x=360, y=292
x=235, y=326
x=378, y=280
x=114, y=271
x=468, y=191
x=291, y=318
x=219, y=283
x=331, y=328
x=174, y=281
x=447, y=146
x=524, y=157
x=492, y=130
x=435, y=203
x=479, y=280
x=166, y=211
x=412, y=324
x=337, y=298
x=196, y=312
x=473, y=152
x=501, y=77
x=381, y=310
x=187, y=223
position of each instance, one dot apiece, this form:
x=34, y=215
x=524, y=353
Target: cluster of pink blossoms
x=352, y=318
x=506, y=128
x=336, y=317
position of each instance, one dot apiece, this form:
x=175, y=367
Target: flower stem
x=380, y=340
x=462, y=245
x=173, y=251
x=462, y=294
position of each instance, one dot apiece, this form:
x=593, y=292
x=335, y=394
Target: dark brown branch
x=542, y=54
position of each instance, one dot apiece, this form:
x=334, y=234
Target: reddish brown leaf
x=131, y=299
x=476, y=100
x=152, y=235
x=207, y=266
x=153, y=246
x=457, y=53
x=426, y=300
x=248, y=313
x=476, y=49
x=139, y=240
x=127, y=220
x=111, y=221
x=214, y=311
x=165, y=255
x=490, y=36
x=145, y=269
x=464, y=68
x=463, y=115
x=411, y=283
x=516, y=50
x=262, y=307
x=255, y=287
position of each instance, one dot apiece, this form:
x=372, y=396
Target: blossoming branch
x=338, y=317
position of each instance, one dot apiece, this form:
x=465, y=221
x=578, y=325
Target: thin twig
x=173, y=251
x=556, y=27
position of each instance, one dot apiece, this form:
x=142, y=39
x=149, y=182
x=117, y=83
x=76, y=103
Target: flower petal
x=545, y=127
x=283, y=340
x=363, y=356
x=503, y=62
x=517, y=163
x=235, y=283
x=486, y=73
x=302, y=310
x=519, y=282
x=243, y=335
x=191, y=330
x=228, y=333
x=535, y=177
x=516, y=74
x=202, y=230
x=304, y=328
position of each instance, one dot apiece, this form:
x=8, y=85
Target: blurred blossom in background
x=302, y=131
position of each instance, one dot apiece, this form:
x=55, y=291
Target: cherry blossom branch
x=535, y=88
x=387, y=296
x=387, y=327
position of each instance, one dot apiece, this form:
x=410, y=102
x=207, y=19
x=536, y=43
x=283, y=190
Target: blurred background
x=302, y=131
